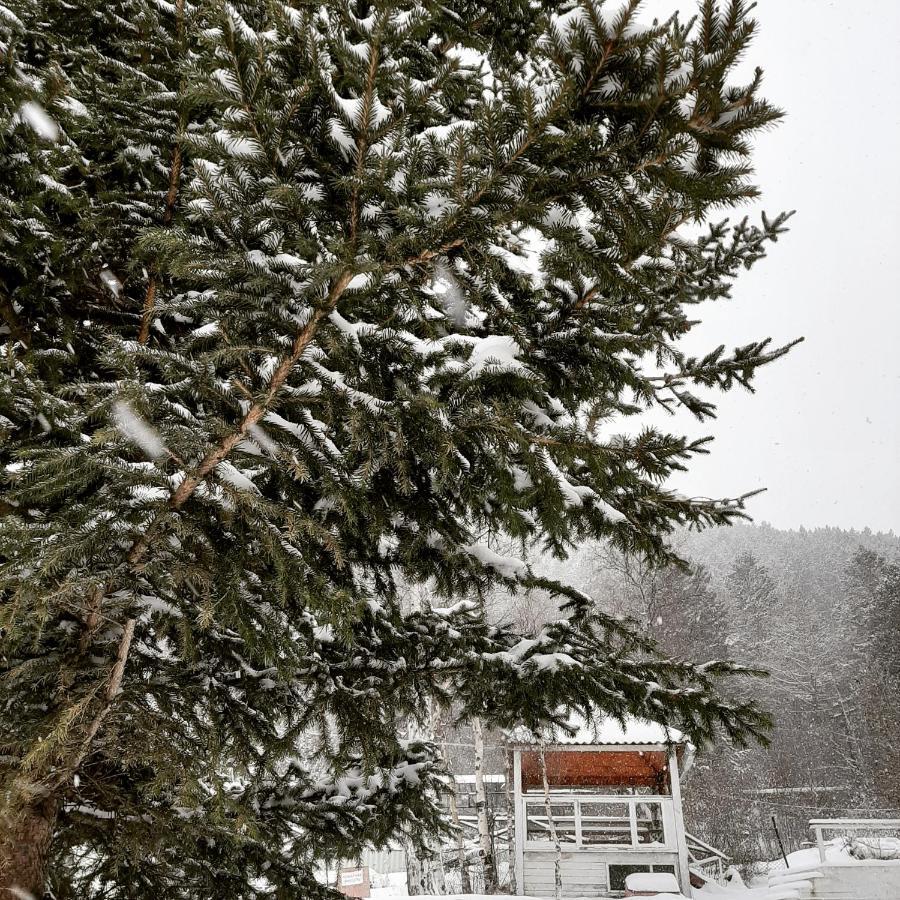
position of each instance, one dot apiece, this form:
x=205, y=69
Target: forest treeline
x=820, y=611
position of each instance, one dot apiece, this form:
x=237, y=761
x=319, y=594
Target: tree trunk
x=436, y=880
x=24, y=850
x=510, y=819
x=465, y=885
x=425, y=873
x=437, y=875
x=414, y=873
x=437, y=729
x=551, y=825
x=484, y=830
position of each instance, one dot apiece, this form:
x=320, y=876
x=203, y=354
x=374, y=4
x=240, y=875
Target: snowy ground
x=395, y=886
x=863, y=851
x=715, y=893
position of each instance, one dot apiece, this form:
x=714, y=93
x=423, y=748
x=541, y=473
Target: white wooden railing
x=598, y=822
x=705, y=859
x=820, y=826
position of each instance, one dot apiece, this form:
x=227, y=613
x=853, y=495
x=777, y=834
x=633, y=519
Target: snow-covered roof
x=601, y=731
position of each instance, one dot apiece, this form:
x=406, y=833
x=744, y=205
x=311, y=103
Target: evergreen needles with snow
x=300, y=301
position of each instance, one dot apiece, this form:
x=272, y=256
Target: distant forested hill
x=803, y=561
x=820, y=610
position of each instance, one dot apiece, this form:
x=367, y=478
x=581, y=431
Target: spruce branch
x=171, y=197
x=182, y=494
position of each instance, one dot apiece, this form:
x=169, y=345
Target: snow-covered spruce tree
x=424, y=257
x=87, y=133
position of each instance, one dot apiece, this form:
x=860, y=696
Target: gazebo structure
x=614, y=806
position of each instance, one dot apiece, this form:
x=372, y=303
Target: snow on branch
x=137, y=430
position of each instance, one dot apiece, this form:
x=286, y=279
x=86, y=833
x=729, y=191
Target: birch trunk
x=437, y=881
x=510, y=819
x=425, y=870
x=486, y=849
x=551, y=825
x=465, y=884
x=415, y=864
x=424, y=874
x=437, y=875
x=414, y=874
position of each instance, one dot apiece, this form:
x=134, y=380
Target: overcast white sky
x=822, y=432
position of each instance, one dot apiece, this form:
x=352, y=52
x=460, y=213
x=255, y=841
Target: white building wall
x=584, y=872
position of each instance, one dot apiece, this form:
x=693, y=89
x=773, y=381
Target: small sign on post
x=354, y=882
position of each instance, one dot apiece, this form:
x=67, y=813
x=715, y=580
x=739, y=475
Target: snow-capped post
x=551, y=825
x=336, y=421
x=674, y=770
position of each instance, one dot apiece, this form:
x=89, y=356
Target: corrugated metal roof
x=601, y=731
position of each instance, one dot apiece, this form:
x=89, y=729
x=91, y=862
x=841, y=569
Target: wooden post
x=675, y=783
x=787, y=865
x=519, y=802
x=820, y=843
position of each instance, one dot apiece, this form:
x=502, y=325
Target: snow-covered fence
x=852, y=826
x=847, y=868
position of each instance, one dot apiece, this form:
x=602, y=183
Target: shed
x=615, y=805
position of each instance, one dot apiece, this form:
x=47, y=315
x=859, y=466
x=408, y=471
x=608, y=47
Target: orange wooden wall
x=597, y=768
